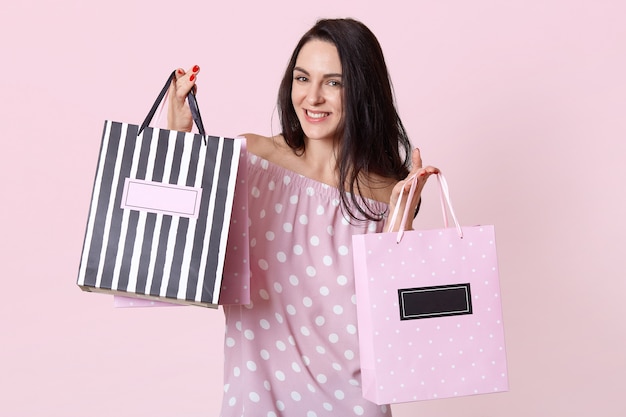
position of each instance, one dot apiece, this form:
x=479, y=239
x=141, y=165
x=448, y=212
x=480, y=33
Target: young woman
x=336, y=170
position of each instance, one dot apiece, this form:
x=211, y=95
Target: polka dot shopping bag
x=429, y=312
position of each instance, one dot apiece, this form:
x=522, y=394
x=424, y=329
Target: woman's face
x=317, y=90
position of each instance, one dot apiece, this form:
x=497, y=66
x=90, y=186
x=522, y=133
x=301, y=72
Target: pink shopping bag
x=429, y=313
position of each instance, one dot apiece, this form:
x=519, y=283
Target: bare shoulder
x=265, y=147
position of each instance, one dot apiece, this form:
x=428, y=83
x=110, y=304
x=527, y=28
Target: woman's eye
x=300, y=78
x=334, y=83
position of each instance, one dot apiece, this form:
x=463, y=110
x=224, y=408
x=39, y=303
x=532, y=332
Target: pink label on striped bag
x=156, y=197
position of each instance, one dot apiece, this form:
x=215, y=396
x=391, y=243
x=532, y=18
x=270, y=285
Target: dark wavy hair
x=372, y=139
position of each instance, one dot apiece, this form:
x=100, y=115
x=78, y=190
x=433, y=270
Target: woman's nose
x=314, y=95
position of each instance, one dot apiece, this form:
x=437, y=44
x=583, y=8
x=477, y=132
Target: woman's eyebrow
x=331, y=75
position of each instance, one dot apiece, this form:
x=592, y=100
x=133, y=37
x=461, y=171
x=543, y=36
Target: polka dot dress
x=293, y=351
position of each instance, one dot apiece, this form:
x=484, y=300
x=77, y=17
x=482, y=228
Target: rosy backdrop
x=522, y=103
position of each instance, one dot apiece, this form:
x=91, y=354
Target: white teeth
x=316, y=115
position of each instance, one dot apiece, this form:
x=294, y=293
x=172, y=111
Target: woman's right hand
x=178, y=112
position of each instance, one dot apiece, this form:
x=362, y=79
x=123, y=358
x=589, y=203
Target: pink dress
x=293, y=352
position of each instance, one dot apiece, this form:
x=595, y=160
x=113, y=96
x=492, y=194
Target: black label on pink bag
x=439, y=301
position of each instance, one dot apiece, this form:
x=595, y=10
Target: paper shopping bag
x=429, y=313
x=236, y=276
x=160, y=213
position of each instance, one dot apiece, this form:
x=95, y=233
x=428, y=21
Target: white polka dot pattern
x=294, y=350
x=428, y=358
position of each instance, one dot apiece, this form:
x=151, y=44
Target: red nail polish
x=193, y=77
x=180, y=71
x=196, y=68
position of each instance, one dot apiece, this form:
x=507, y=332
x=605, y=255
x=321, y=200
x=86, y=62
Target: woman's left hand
x=422, y=174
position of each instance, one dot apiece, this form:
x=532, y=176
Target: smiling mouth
x=316, y=115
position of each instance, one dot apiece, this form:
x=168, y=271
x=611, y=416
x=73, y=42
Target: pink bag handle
x=444, y=195
x=394, y=215
x=446, y=205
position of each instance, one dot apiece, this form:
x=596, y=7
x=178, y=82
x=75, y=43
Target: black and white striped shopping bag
x=160, y=214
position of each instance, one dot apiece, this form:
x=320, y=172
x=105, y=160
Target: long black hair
x=372, y=139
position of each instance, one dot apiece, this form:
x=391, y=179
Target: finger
x=416, y=163
x=416, y=158
x=431, y=170
x=179, y=73
x=185, y=81
x=189, y=79
x=174, y=86
x=193, y=73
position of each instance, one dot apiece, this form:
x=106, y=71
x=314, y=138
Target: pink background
x=521, y=103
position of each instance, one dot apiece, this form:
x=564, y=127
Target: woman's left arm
x=422, y=174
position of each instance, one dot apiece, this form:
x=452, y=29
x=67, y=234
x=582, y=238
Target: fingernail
x=180, y=71
x=196, y=68
x=192, y=77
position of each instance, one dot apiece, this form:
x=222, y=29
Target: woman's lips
x=315, y=115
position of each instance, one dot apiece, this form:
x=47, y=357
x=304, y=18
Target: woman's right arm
x=178, y=112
